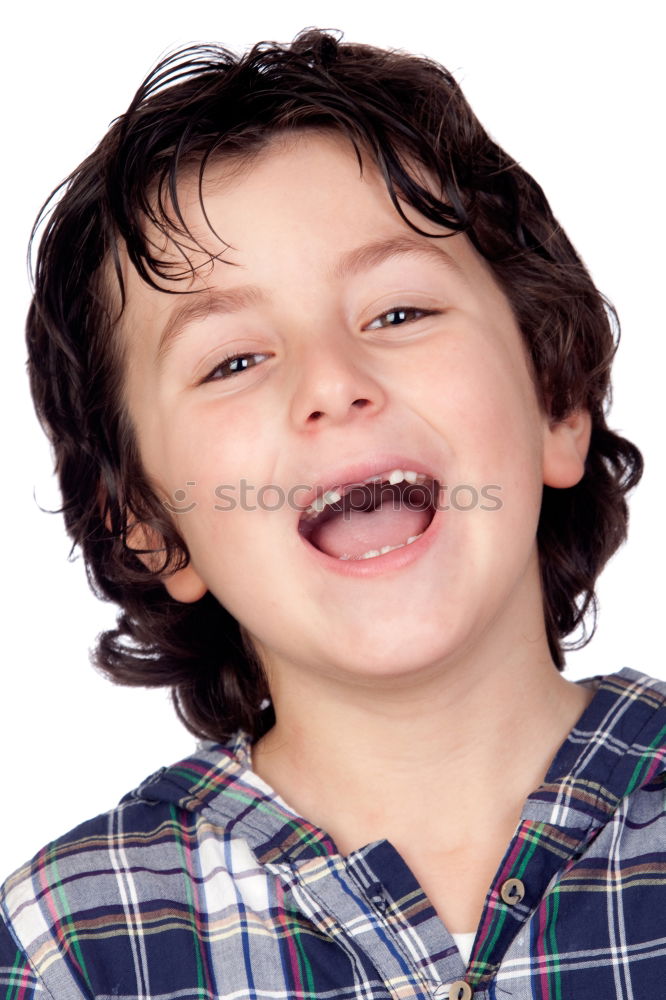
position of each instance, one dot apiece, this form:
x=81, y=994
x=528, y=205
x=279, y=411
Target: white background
x=573, y=90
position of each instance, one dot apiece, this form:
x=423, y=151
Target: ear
x=566, y=443
x=184, y=585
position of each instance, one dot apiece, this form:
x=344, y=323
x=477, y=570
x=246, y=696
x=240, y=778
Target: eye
x=397, y=316
x=234, y=364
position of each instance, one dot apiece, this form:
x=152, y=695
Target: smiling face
x=342, y=346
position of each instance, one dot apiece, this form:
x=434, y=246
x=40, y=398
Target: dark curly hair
x=401, y=111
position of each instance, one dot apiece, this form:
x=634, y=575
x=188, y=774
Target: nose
x=334, y=387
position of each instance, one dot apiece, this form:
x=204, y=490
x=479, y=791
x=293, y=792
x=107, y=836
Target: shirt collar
x=618, y=745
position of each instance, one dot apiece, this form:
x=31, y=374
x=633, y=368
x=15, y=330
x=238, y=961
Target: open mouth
x=367, y=519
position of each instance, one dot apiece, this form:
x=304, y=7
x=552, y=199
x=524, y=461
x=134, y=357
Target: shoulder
x=641, y=750
x=617, y=755
x=123, y=876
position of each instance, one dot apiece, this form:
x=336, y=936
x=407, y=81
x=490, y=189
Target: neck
x=359, y=755
x=344, y=757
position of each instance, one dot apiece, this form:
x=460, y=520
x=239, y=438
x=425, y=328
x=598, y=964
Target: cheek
x=199, y=448
x=233, y=550
x=233, y=487
x=484, y=402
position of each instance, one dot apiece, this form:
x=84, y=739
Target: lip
x=357, y=472
x=390, y=561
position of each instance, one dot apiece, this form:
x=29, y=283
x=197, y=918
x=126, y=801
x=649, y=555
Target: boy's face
x=339, y=384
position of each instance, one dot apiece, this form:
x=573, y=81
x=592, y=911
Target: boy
x=325, y=383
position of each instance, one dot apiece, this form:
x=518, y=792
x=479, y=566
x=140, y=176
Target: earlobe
x=566, y=445
x=184, y=585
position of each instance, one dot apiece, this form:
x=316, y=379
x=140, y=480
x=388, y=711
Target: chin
x=390, y=658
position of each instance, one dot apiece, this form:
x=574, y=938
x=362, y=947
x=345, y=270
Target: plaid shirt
x=203, y=883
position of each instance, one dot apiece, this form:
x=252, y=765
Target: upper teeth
x=393, y=477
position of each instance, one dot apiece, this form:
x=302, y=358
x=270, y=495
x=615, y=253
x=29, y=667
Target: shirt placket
x=373, y=898
x=537, y=856
x=376, y=906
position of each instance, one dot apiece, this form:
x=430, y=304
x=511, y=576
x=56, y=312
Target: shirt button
x=512, y=891
x=460, y=990
x=378, y=897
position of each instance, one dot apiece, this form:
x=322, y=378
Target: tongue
x=357, y=531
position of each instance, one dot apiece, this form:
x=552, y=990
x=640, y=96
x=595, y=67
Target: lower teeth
x=373, y=553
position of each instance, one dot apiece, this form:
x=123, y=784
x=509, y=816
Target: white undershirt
x=464, y=944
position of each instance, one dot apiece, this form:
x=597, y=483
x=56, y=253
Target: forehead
x=302, y=212
x=293, y=176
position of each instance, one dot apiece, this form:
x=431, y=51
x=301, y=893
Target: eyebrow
x=222, y=301
x=372, y=254
x=201, y=305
